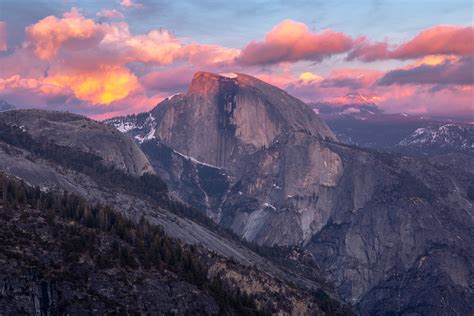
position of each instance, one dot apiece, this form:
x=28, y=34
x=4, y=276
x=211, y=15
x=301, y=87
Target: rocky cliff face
x=226, y=118
x=372, y=221
x=264, y=146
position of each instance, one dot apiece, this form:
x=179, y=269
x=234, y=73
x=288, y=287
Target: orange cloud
x=310, y=77
x=443, y=40
x=76, y=61
x=291, y=41
x=91, y=59
x=36, y=84
x=103, y=86
x=72, y=31
x=3, y=36
x=75, y=32
x=438, y=40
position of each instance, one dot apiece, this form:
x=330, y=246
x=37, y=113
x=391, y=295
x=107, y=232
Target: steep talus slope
x=376, y=224
x=55, y=163
x=75, y=131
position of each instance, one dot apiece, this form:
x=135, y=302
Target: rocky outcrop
x=262, y=146
x=78, y=132
x=376, y=224
x=399, y=226
x=227, y=118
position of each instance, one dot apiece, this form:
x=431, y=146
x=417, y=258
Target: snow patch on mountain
x=195, y=160
x=448, y=135
x=141, y=127
x=124, y=127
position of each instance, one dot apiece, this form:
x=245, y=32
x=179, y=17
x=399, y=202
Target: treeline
x=141, y=244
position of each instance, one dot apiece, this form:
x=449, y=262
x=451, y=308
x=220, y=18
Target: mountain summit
x=234, y=116
x=260, y=162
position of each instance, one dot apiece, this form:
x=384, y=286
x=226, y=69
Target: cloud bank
x=97, y=66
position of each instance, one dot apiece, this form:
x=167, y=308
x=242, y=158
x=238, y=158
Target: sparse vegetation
x=135, y=245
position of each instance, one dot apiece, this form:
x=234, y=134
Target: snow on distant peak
x=458, y=136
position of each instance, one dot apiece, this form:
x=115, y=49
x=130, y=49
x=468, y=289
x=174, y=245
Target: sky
x=104, y=58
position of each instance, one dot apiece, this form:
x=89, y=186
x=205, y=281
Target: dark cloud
x=448, y=73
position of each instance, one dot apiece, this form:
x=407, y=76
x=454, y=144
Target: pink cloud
x=338, y=86
x=171, y=80
x=92, y=59
x=129, y=3
x=449, y=72
x=72, y=31
x=103, y=69
x=416, y=99
x=292, y=41
x=351, y=78
x=438, y=40
x=106, y=13
x=3, y=36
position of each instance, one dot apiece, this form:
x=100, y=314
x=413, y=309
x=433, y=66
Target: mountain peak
x=232, y=111
x=206, y=82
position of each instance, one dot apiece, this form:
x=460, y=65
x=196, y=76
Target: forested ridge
x=79, y=227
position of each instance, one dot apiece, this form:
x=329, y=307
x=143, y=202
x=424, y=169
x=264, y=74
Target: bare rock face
x=264, y=147
x=221, y=118
x=261, y=163
x=80, y=133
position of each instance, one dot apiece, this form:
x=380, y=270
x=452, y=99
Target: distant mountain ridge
x=366, y=125
x=5, y=106
x=440, y=140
